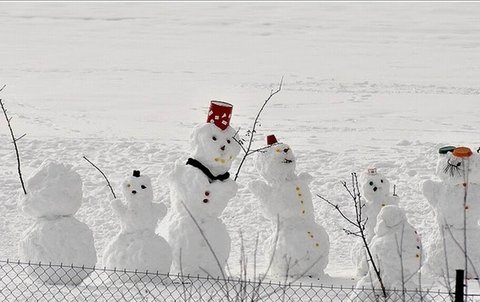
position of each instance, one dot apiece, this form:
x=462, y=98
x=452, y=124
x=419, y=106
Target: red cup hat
x=271, y=139
x=220, y=114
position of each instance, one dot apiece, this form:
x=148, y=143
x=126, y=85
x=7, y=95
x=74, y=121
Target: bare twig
x=253, y=130
x=204, y=236
x=400, y=255
x=14, y=141
x=469, y=260
x=358, y=222
x=445, y=256
x=104, y=176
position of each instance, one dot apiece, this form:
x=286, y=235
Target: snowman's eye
x=214, y=138
x=143, y=187
x=381, y=180
x=228, y=141
x=371, y=183
x=452, y=168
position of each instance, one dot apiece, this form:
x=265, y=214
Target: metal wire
x=21, y=281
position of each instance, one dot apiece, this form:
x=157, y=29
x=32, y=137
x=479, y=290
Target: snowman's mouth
x=287, y=161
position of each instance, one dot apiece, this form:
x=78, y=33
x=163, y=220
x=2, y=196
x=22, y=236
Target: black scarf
x=195, y=163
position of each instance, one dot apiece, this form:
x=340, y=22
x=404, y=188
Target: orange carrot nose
x=462, y=152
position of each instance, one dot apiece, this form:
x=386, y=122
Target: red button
x=207, y=193
x=205, y=200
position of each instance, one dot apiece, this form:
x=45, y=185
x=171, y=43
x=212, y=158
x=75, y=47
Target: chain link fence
x=47, y=282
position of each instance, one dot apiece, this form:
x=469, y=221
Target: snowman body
x=449, y=197
x=397, y=250
x=137, y=246
x=301, y=246
x=57, y=237
x=376, y=191
x=198, y=237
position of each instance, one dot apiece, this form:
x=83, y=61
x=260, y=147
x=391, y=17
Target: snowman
x=454, y=198
x=200, y=189
x=397, y=250
x=301, y=246
x=136, y=246
x=56, y=236
x=376, y=190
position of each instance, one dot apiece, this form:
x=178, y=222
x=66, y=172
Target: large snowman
x=397, y=250
x=200, y=189
x=376, y=191
x=54, y=196
x=301, y=246
x=136, y=246
x=454, y=199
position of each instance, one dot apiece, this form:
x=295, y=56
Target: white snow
x=198, y=201
x=398, y=252
x=297, y=246
x=125, y=84
x=54, y=194
x=448, y=198
x=136, y=246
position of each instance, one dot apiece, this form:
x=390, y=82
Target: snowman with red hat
x=200, y=188
x=136, y=246
x=301, y=246
x=455, y=200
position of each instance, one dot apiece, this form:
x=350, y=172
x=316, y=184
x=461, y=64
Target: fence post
x=459, y=286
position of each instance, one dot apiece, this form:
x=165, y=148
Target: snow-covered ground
x=124, y=83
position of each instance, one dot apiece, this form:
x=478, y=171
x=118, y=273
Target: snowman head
x=455, y=164
x=276, y=163
x=390, y=219
x=137, y=188
x=54, y=189
x=215, y=148
x=375, y=186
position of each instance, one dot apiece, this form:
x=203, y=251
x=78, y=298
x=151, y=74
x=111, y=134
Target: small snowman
x=397, y=250
x=455, y=201
x=301, y=246
x=376, y=190
x=136, y=246
x=200, y=189
x=54, y=196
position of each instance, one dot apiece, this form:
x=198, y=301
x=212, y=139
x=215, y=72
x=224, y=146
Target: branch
x=359, y=223
x=338, y=210
x=254, y=126
x=14, y=141
x=104, y=176
x=206, y=240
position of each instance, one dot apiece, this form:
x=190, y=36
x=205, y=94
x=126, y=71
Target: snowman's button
x=207, y=193
x=205, y=200
x=317, y=244
x=297, y=188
